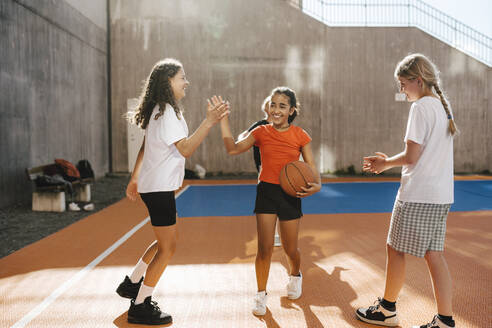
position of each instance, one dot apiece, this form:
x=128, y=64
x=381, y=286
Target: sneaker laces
x=377, y=304
x=155, y=306
x=259, y=300
x=430, y=324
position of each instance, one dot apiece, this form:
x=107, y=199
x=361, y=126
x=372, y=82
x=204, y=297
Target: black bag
x=189, y=174
x=85, y=169
x=50, y=181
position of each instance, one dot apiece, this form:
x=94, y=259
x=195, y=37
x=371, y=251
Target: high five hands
x=217, y=109
x=375, y=164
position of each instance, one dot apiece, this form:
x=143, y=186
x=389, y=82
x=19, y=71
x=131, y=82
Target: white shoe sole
x=374, y=322
x=291, y=295
x=259, y=313
x=294, y=297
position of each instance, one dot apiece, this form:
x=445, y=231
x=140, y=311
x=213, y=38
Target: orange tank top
x=278, y=148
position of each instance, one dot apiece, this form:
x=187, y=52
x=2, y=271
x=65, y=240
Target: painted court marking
x=67, y=284
x=333, y=198
x=485, y=193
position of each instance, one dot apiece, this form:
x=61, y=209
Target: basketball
x=295, y=175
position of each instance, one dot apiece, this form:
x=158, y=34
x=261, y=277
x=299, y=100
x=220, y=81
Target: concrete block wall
x=343, y=77
x=53, y=85
x=227, y=48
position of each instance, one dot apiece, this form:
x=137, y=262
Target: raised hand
x=217, y=109
x=375, y=164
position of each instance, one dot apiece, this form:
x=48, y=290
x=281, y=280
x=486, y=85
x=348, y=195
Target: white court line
x=67, y=284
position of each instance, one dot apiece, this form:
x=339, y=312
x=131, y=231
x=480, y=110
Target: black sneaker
x=435, y=323
x=378, y=315
x=128, y=289
x=147, y=313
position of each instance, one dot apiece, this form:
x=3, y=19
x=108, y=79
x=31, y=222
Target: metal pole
x=108, y=93
x=365, y=13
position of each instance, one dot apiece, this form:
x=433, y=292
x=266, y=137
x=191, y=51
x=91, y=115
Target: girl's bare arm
x=233, y=147
x=307, y=156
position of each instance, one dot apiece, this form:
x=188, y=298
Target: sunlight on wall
x=315, y=69
x=135, y=136
x=293, y=68
x=300, y=73
x=328, y=159
x=116, y=12
x=146, y=33
x=458, y=63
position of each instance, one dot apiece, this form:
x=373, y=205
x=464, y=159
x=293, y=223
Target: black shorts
x=271, y=199
x=161, y=206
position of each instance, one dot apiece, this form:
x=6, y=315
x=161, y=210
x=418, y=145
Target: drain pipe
x=108, y=72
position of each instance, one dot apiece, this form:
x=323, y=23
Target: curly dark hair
x=157, y=91
x=291, y=94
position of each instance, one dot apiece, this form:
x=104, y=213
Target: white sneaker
x=89, y=207
x=377, y=315
x=294, y=287
x=259, y=307
x=276, y=241
x=73, y=207
x=435, y=323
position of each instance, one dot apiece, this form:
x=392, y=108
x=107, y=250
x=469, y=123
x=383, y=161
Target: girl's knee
x=291, y=251
x=391, y=251
x=431, y=256
x=265, y=252
x=166, y=247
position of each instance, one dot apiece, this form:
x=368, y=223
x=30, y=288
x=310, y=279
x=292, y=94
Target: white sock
x=143, y=293
x=138, y=271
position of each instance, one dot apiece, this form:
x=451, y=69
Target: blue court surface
x=352, y=197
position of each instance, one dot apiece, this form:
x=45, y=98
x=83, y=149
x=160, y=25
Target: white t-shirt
x=163, y=165
x=430, y=180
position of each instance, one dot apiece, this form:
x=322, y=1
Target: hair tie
x=449, y=116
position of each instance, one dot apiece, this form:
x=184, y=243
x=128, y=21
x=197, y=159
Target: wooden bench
x=52, y=198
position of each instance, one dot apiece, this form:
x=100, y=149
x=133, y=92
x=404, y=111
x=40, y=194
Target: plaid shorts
x=416, y=228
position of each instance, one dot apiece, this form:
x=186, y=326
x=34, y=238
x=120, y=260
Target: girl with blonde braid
x=418, y=221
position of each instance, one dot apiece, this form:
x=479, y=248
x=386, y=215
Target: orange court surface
x=69, y=278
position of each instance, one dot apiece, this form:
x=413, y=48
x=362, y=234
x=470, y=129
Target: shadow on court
x=343, y=262
x=268, y=320
x=319, y=286
x=122, y=322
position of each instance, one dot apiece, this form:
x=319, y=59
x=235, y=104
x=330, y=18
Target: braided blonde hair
x=417, y=65
x=157, y=91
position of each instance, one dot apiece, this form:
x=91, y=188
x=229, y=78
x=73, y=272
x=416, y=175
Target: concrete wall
x=94, y=10
x=488, y=120
x=343, y=77
x=360, y=97
x=53, y=84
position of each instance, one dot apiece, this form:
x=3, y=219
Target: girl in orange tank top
x=279, y=143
